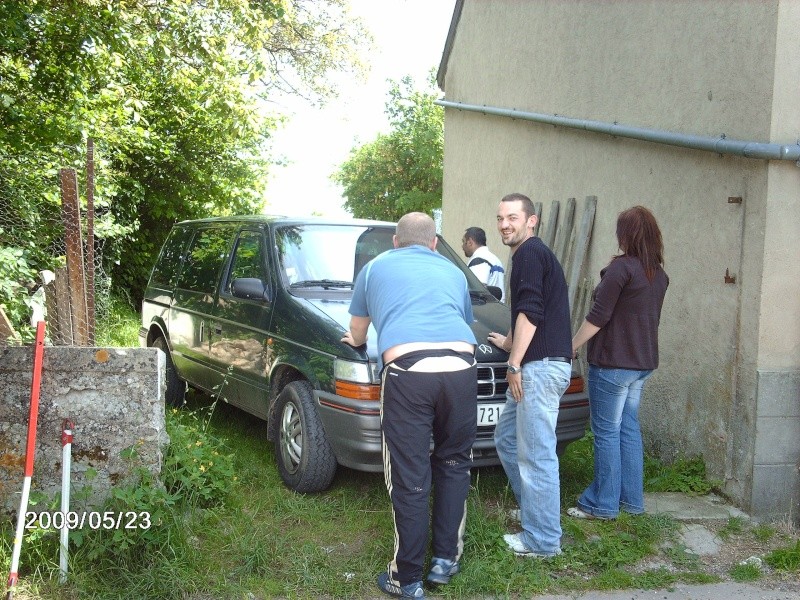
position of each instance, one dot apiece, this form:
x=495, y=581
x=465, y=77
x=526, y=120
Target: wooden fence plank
x=60, y=317
x=564, y=234
x=583, y=303
x=7, y=331
x=537, y=210
x=581, y=247
x=551, y=222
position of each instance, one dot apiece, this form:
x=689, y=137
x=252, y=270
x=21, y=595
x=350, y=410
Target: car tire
x=305, y=458
x=175, y=394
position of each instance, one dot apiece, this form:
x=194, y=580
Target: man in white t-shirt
x=485, y=265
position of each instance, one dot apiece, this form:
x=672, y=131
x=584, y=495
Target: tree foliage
x=175, y=95
x=400, y=171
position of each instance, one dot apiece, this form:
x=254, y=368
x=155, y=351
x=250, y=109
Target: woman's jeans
x=614, y=396
x=525, y=437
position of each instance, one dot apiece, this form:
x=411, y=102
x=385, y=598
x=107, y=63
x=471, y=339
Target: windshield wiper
x=480, y=294
x=323, y=283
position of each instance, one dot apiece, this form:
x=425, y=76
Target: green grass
x=734, y=526
x=257, y=539
x=785, y=559
x=744, y=572
x=233, y=530
x=764, y=532
x=117, y=324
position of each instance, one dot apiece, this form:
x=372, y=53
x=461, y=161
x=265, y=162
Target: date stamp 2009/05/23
x=92, y=520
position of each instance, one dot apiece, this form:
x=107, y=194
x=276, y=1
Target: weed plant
x=734, y=526
x=785, y=559
x=746, y=571
x=686, y=475
x=763, y=532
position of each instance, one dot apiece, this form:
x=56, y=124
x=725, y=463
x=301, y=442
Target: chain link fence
x=51, y=261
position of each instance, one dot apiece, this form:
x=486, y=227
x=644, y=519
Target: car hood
x=489, y=317
x=338, y=311
x=334, y=309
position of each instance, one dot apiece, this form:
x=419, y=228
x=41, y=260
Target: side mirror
x=495, y=291
x=250, y=288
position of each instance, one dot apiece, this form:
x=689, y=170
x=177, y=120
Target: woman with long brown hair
x=622, y=331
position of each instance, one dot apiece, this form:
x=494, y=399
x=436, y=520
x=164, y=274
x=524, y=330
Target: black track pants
x=428, y=394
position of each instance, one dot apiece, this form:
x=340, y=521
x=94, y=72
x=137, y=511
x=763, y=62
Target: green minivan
x=253, y=308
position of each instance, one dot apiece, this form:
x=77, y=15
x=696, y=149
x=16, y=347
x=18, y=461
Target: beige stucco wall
x=702, y=68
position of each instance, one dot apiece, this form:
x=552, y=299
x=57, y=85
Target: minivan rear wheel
x=175, y=394
x=305, y=458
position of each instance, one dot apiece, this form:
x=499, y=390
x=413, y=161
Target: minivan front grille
x=492, y=382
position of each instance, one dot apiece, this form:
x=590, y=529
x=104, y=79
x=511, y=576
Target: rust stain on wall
x=96, y=454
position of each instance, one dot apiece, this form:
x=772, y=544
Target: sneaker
x=515, y=514
x=442, y=570
x=393, y=588
x=515, y=544
x=577, y=513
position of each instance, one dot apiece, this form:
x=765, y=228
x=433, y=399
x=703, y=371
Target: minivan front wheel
x=175, y=393
x=305, y=458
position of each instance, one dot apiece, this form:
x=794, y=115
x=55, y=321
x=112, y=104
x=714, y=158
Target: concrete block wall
x=776, y=463
x=114, y=397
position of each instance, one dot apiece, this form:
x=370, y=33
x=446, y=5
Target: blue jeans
x=526, y=444
x=614, y=396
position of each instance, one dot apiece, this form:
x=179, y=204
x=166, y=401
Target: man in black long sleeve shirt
x=539, y=368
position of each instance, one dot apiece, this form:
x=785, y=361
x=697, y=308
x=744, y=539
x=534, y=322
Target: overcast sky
x=410, y=37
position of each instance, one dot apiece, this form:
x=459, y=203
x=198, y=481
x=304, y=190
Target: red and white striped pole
x=66, y=462
x=38, y=352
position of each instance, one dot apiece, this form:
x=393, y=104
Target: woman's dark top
x=627, y=308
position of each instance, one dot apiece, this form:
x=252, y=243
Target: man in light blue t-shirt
x=420, y=306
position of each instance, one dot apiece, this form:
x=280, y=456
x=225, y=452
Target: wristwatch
x=513, y=370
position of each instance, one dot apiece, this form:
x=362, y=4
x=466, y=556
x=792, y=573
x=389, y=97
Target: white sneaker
x=515, y=544
x=515, y=514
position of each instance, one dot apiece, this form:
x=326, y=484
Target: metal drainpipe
x=719, y=145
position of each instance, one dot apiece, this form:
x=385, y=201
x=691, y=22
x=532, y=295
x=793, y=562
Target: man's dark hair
x=527, y=204
x=476, y=234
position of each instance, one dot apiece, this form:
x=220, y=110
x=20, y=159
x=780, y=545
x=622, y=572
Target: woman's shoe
x=582, y=514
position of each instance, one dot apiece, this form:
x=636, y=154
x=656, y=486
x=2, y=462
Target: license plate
x=489, y=414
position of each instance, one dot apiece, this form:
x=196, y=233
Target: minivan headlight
x=356, y=380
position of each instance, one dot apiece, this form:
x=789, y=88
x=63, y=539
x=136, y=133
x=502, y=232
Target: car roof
x=284, y=220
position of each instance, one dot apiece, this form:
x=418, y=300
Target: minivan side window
x=204, y=260
x=165, y=271
x=247, y=259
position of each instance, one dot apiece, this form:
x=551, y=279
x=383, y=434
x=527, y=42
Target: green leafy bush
x=15, y=277
x=686, y=475
x=197, y=467
x=147, y=523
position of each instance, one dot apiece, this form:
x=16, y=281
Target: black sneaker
x=393, y=588
x=442, y=570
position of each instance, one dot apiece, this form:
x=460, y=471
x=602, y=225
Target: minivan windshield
x=331, y=256
x=328, y=256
